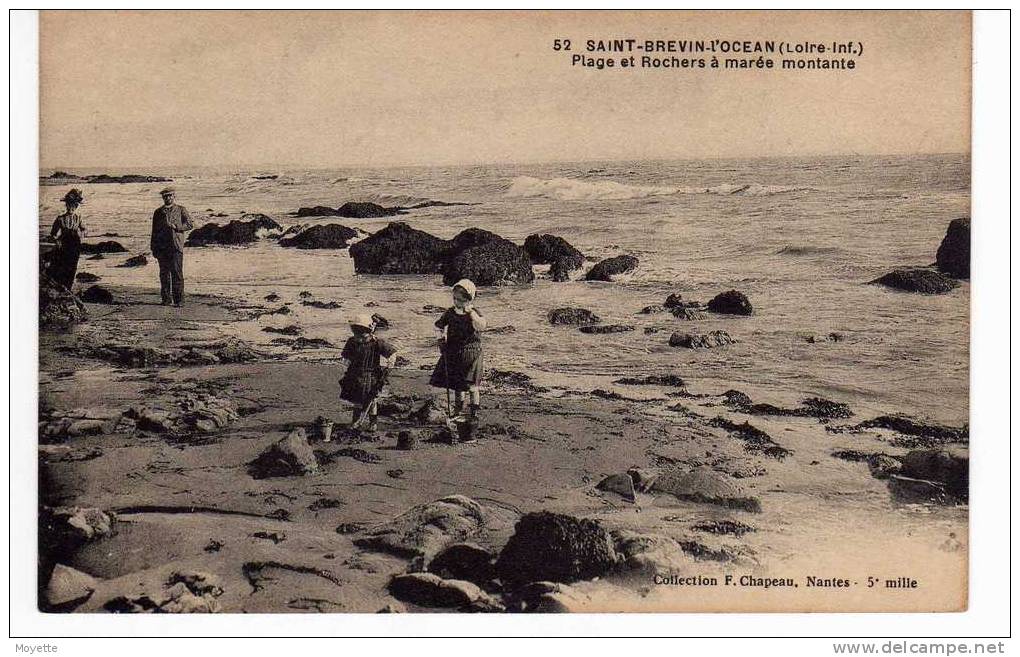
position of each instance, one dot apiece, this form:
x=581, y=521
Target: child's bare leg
x=373, y=412
x=458, y=402
x=476, y=399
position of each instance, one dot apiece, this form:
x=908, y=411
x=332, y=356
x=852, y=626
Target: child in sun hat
x=460, y=334
x=368, y=361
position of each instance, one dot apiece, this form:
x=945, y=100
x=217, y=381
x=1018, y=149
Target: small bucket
x=325, y=429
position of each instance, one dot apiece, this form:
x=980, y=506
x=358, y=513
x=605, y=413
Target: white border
x=989, y=603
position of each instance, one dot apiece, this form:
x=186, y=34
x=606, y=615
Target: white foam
x=571, y=189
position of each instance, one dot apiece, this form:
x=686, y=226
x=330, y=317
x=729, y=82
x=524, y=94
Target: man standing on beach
x=169, y=223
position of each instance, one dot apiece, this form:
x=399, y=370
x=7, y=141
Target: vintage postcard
x=520, y=311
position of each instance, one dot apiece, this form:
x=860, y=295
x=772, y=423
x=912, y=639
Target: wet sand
x=186, y=502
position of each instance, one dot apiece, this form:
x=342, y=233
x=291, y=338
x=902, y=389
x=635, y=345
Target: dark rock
x=249, y=228
x=923, y=281
x=610, y=267
x=97, y=294
x=560, y=270
x=953, y=255
x=317, y=211
x=939, y=465
x=707, y=486
x=555, y=547
x=108, y=246
x=670, y=380
x=86, y=277
x=407, y=440
x=606, y=328
x=272, y=296
x=126, y=178
x=573, y=316
x=927, y=434
x=755, y=440
x=548, y=249
x=429, y=590
x=707, y=341
x=465, y=561
x=324, y=305
x=687, y=313
x=492, y=262
x=621, y=484
x=293, y=329
x=424, y=530
x=643, y=479
x=135, y=261
x=653, y=309
x=58, y=307
x=291, y=455
x=329, y=236
x=302, y=342
x=731, y=302
x=675, y=300
x=399, y=249
x=357, y=210
x=817, y=407
x=724, y=527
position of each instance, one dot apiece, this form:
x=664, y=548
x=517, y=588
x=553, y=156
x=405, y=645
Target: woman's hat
x=363, y=320
x=467, y=286
x=74, y=196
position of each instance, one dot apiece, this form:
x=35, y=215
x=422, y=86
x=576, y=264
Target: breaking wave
x=570, y=189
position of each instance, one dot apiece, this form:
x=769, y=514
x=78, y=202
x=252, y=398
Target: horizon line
x=322, y=167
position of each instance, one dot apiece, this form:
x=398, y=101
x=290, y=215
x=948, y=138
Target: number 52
x=561, y=44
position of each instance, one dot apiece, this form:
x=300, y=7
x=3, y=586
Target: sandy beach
x=180, y=502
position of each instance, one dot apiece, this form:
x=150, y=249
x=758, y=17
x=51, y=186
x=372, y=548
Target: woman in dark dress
x=68, y=231
x=460, y=365
x=365, y=375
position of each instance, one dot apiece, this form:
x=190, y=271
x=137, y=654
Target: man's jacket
x=169, y=223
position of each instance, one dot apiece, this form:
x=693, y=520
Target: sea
x=800, y=236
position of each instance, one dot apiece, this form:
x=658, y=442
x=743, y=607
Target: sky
x=339, y=89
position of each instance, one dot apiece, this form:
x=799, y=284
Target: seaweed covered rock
x=429, y=590
x=600, y=329
x=361, y=210
x=953, y=256
x=249, y=228
x=108, y=246
x=329, y=236
x=610, y=267
x=706, y=341
x=317, y=211
x=291, y=455
x=920, y=280
x=489, y=263
x=58, y=306
x=731, y=302
x=548, y=249
x=555, y=547
x=97, y=294
x=939, y=465
x=573, y=316
x=561, y=268
x=139, y=260
x=399, y=249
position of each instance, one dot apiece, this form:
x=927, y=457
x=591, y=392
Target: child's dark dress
x=364, y=377
x=460, y=366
